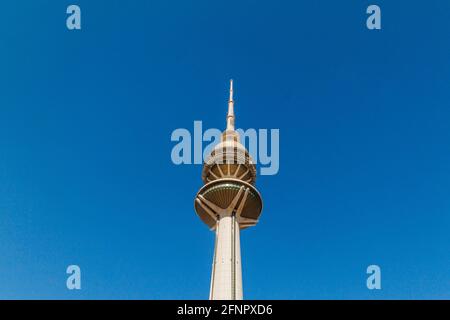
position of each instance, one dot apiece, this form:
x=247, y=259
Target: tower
x=227, y=203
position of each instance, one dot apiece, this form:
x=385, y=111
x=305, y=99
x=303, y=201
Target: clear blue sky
x=86, y=117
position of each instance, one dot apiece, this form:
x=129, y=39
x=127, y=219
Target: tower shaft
x=226, y=277
x=227, y=203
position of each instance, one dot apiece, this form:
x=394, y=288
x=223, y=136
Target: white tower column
x=226, y=278
x=227, y=203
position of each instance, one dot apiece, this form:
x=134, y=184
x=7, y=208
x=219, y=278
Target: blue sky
x=86, y=117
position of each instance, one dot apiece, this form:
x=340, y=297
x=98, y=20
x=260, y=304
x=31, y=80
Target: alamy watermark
x=374, y=279
x=263, y=145
x=374, y=20
x=73, y=21
x=73, y=282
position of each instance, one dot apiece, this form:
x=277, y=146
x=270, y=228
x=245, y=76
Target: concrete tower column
x=227, y=203
x=226, y=278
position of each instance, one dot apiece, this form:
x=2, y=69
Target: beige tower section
x=228, y=203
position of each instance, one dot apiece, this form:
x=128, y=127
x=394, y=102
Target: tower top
x=230, y=115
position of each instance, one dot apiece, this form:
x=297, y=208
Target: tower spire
x=230, y=115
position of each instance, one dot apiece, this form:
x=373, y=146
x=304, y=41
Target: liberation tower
x=227, y=203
